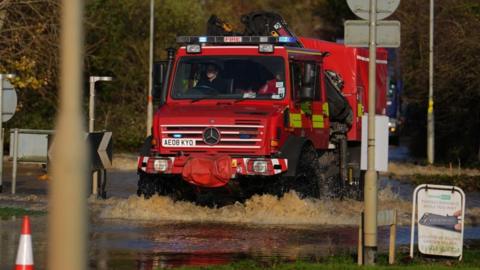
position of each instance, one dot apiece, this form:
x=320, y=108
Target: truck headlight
x=160, y=165
x=260, y=166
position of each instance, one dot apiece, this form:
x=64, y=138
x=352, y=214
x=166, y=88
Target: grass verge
x=471, y=260
x=6, y=212
x=464, y=181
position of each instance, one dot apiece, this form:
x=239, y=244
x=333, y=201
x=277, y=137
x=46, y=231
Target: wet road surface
x=127, y=232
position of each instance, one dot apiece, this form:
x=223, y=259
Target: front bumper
x=240, y=166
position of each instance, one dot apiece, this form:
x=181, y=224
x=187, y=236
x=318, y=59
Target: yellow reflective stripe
x=296, y=120
x=360, y=110
x=325, y=109
x=317, y=120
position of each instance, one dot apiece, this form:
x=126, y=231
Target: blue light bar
x=177, y=136
x=287, y=39
x=236, y=39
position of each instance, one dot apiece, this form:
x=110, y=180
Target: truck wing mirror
x=159, y=72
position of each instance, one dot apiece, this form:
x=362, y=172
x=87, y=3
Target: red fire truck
x=253, y=114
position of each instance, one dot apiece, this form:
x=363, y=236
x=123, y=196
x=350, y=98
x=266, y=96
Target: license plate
x=178, y=142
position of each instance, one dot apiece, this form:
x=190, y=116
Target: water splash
x=260, y=209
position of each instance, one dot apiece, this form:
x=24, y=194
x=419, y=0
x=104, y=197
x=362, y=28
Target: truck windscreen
x=232, y=77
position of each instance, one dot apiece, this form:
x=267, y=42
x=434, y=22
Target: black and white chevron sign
x=100, y=149
x=100, y=146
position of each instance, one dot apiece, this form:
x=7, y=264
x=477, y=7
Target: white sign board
x=361, y=8
x=440, y=215
x=357, y=33
x=381, y=143
x=31, y=147
x=9, y=101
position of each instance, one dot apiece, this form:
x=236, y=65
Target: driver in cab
x=212, y=80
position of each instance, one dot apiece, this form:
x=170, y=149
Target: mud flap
x=208, y=172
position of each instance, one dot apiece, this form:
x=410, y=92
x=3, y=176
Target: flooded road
x=128, y=232
x=128, y=244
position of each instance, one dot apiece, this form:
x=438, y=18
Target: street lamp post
x=430, y=118
x=91, y=121
x=91, y=106
x=150, y=70
x=2, y=77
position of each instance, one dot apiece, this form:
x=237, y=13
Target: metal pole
x=67, y=228
x=15, y=157
x=150, y=71
x=91, y=127
x=1, y=131
x=370, y=226
x=91, y=121
x=91, y=106
x=430, y=119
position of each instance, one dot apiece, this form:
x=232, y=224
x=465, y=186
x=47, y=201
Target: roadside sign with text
x=440, y=215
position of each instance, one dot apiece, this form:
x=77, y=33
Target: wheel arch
x=292, y=150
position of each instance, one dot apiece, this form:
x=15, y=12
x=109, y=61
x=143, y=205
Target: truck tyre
x=146, y=185
x=330, y=173
x=309, y=180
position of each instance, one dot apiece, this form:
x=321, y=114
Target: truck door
x=309, y=114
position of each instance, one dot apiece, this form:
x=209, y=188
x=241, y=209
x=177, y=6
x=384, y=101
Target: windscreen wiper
x=245, y=97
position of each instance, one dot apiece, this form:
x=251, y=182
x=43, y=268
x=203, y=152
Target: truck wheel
x=146, y=185
x=330, y=170
x=309, y=180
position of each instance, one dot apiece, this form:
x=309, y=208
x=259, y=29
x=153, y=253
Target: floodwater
x=128, y=232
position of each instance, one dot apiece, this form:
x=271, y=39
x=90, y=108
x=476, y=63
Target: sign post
x=91, y=120
x=388, y=36
x=439, y=212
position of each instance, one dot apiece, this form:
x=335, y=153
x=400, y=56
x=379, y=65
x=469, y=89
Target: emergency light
x=265, y=48
x=194, y=48
x=235, y=39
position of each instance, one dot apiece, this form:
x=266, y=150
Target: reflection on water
x=133, y=233
x=175, y=244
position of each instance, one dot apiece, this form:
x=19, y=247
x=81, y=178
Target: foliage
x=116, y=44
x=456, y=80
x=465, y=182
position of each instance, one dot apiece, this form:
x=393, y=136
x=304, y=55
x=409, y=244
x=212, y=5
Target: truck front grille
x=239, y=136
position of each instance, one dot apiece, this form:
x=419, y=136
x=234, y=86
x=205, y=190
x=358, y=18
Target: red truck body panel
x=352, y=65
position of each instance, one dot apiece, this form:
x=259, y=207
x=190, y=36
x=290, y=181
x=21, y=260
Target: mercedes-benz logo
x=211, y=136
